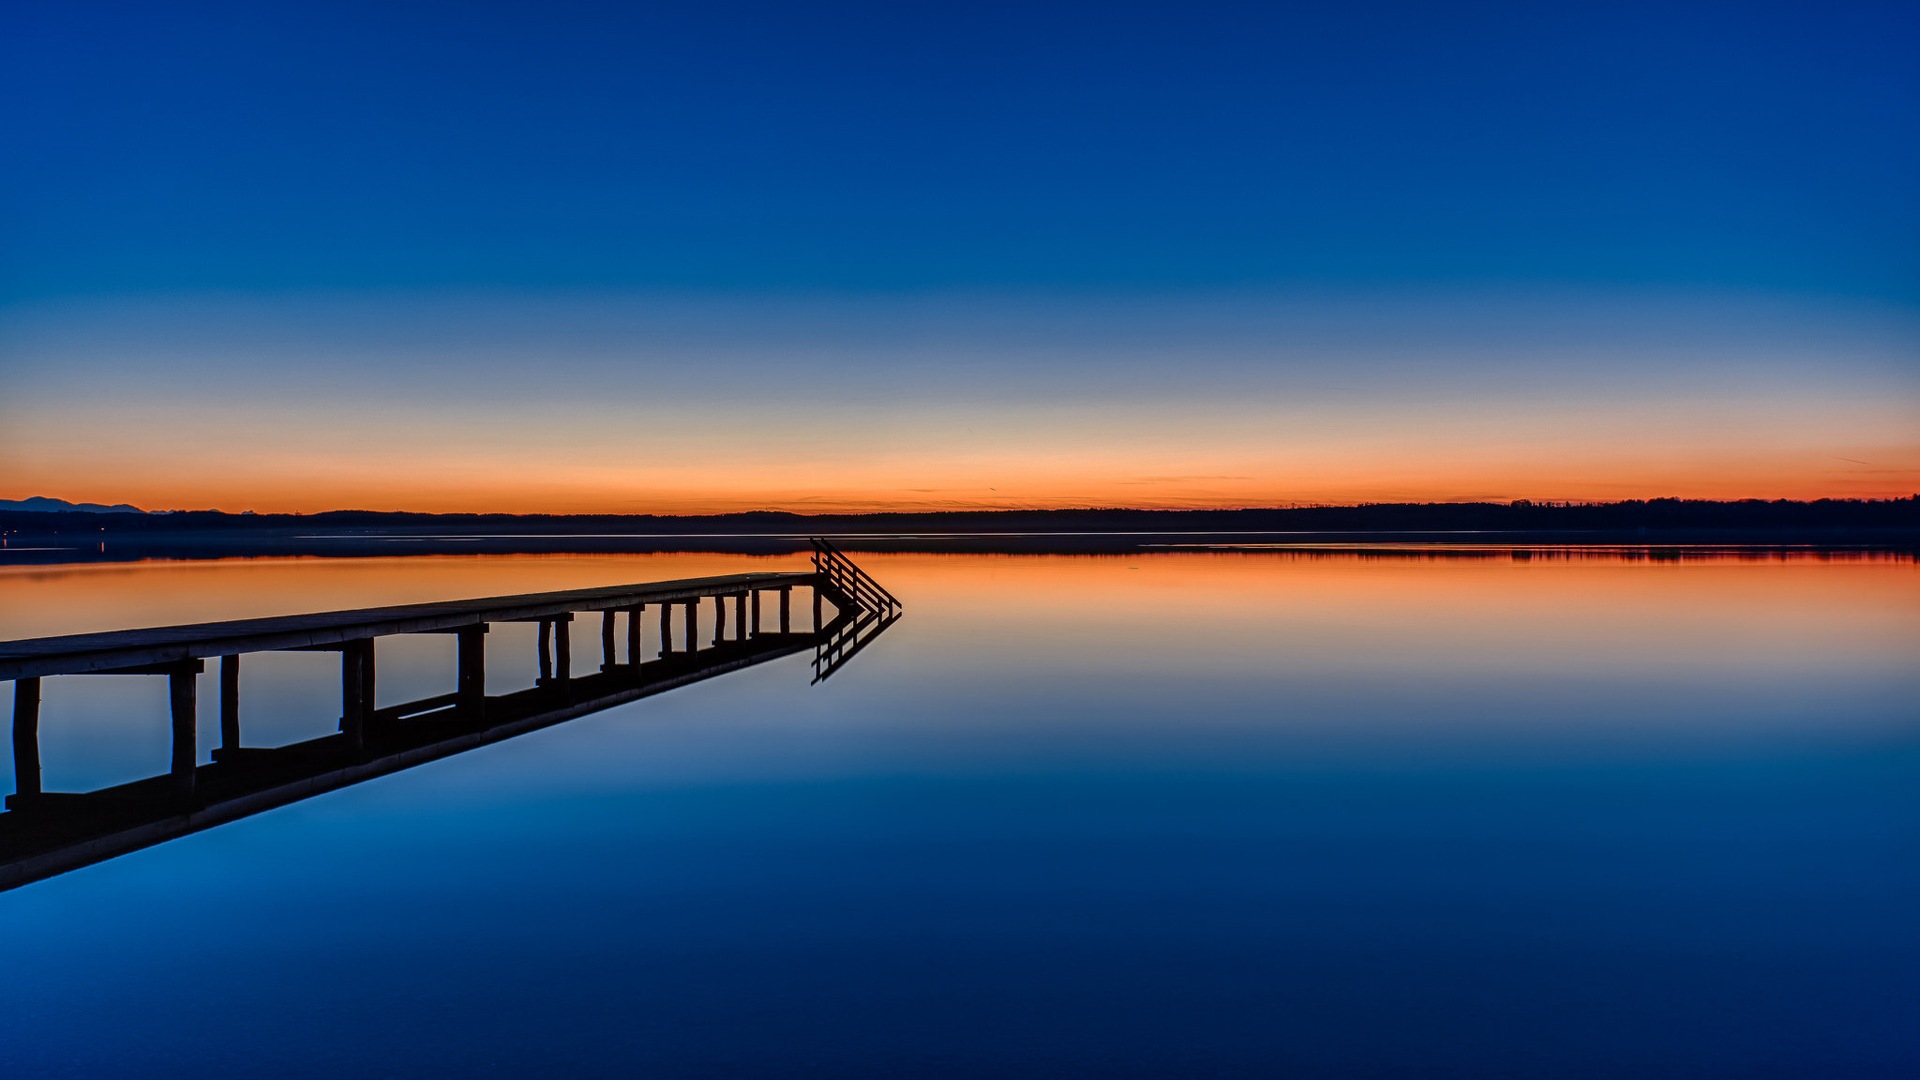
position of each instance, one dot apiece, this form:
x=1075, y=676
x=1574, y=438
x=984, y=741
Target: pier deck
x=82, y=654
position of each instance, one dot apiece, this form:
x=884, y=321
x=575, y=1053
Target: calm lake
x=1248, y=813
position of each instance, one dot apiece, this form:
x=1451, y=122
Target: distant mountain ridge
x=42, y=504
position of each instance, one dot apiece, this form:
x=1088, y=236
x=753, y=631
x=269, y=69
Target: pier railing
x=848, y=579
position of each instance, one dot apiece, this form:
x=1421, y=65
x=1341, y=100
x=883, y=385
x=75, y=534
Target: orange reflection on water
x=1085, y=656
x=1478, y=606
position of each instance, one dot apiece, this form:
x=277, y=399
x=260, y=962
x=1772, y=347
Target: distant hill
x=42, y=504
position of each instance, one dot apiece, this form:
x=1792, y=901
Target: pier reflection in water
x=45, y=833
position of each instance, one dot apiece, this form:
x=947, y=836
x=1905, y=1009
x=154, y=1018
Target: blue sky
x=890, y=146
x=1607, y=170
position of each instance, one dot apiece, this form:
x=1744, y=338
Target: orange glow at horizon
x=1249, y=402
x=988, y=482
x=1191, y=455
x=569, y=499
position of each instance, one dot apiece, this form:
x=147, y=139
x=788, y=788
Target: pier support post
x=786, y=609
x=356, y=691
x=470, y=680
x=607, y=657
x=230, y=702
x=556, y=648
x=26, y=738
x=182, y=687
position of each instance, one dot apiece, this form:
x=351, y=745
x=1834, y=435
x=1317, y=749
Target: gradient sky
x=631, y=257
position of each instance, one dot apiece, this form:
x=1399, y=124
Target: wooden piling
x=470, y=679
x=182, y=693
x=356, y=691
x=230, y=702
x=26, y=737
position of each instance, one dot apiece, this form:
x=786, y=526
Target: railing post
x=607, y=657
x=26, y=738
x=563, y=647
x=183, y=699
x=816, y=607
x=786, y=609
x=754, y=622
x=693, y=625
x=719, y=619
x=633, y=636
x=545, y=647
x=740, y=617
x=666, y=629
x=230, y=702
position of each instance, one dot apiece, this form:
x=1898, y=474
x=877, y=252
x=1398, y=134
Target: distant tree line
x=1516, y=516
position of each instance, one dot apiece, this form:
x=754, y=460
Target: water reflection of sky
x=1169, y=812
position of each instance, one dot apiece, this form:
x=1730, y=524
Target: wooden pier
x=45, y=833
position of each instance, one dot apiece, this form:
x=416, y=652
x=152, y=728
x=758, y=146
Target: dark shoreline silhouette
x=1838, y=524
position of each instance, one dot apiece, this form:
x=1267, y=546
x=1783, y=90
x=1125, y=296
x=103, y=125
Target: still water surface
x=1232, y=813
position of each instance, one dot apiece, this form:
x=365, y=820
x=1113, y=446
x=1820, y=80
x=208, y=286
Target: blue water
x=1196, y=821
